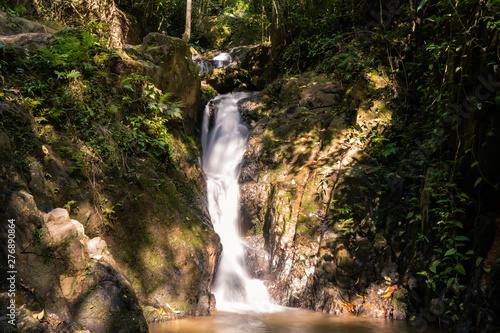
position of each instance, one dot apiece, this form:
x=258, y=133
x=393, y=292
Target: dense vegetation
x=442, y=145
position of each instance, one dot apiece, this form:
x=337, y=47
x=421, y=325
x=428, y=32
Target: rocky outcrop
x=13, y=25
x=249, y=70
x=173, y=70
x=303, y=156
x=56, y=273
x=143, y=248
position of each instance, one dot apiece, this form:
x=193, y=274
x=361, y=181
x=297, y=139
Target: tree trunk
x=187, y=32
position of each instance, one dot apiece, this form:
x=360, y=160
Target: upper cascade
x=222, y=59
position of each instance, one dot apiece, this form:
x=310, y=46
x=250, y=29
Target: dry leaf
x=39, y=315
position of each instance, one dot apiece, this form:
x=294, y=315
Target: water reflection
x=289, y=321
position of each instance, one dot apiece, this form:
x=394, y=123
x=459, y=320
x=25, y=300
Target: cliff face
x=102, y=180
x=331, y=222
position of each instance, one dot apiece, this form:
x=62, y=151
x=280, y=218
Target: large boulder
x=172, y=69
x=13, y=25
x=59, y=276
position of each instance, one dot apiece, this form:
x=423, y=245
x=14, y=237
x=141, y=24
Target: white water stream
x=224, y=142
x=223, y=59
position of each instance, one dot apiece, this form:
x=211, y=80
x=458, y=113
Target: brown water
x=289, y=321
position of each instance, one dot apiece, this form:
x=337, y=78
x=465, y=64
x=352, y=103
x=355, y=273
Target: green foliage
x=72, y=95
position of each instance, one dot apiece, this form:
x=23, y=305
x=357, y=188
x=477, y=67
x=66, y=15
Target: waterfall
x=224, y=142
x=222, y=59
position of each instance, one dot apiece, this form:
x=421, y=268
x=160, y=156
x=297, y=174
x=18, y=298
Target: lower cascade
x=224, y=142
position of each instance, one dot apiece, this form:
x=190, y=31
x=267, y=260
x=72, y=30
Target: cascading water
x=222, y=59
x=224, y=142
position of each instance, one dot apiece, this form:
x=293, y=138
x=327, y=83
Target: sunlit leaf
x=39, y=315
x=74, y=74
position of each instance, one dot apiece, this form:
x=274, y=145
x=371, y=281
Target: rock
x=39, y=186
x=56, y=269
x=173, y=70
x=320, y=95
x=13, y=25
x=67, y=236
x=110, y=305
x=203, y=306
x=28, y=324
x=256, y=257
x=257, y=62
x=252, y=201
x=29, y=41
x=437, y=307
x=5, y=143
x=226, y=79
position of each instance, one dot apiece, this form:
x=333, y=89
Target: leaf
x=474, y=164
x=59, y=74
x=462, y=238
x=450, y=252
x=478, y=261
x=478, y=181
x=39, y=315
x=128, y=86
x=74, y=74
x=460, y=268
x=433, y=267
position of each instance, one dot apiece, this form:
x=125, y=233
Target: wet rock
x=252, y=200
x=227, y=79
x=256, y=257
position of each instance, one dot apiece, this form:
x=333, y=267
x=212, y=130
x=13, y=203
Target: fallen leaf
x=349, y=307
x=389, y=291
x=39, y=315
